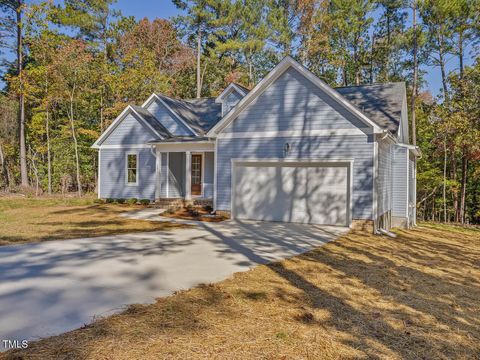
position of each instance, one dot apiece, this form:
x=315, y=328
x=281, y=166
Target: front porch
x=185, y=171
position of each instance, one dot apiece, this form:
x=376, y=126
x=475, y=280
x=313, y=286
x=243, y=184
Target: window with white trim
x=132, y=168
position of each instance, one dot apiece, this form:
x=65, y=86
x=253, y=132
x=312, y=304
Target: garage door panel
x=304, y=194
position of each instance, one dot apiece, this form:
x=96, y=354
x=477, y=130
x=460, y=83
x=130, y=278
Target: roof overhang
x=415, y=150
x=273, y=75
x=129, y=109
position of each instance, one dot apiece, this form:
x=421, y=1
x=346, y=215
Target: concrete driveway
x=52, y=287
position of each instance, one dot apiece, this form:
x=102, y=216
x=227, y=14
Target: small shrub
x=144, y=202
x=132, y=201
x=189, y=207
x=170, y=211
x=109, y=200
x=194, y=213
x=208, y=208
x=99, y=201
x=121, y=201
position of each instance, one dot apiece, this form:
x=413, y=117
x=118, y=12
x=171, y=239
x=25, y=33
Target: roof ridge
x=374, y=84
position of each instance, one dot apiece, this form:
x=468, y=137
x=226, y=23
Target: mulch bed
x=196, y=214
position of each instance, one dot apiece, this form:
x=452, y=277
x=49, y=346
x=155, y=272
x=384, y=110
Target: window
x=132, y=171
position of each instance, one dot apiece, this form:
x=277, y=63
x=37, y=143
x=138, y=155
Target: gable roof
x=273, y=75
x=382, y=103
x=199, y=114
x=145, y=117
x=152, y=121
x=232, y=87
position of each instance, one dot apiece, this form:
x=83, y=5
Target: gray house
x=292, y=149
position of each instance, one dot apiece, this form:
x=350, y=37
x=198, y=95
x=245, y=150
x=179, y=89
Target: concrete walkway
x=52, y=287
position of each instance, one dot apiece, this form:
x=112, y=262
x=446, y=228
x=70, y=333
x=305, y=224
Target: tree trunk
x=445, y=181
x=75, y=142
x=463, y=188
x=357, y=67
x=199, y=54
x=49, y=159
x=441, y=59
x=344, y=73
x=455, y=192
x=372, y=46
x=460, y=52
x=415, y=74
x=21, y=98
x=3, y=163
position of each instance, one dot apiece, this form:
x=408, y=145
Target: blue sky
x=165, y=9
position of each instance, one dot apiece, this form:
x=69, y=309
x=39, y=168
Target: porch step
x=169, y=202
x=180, y=202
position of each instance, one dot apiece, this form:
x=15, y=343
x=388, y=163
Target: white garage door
x=311, y=193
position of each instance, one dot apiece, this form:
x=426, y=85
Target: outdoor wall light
x=286, y=149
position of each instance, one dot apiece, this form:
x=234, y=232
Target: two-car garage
x=314, y=192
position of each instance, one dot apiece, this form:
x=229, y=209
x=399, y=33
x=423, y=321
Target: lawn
x=40, y=219
x=362, y=296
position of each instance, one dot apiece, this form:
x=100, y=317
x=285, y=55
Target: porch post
x=158, y=172
x=188, y=175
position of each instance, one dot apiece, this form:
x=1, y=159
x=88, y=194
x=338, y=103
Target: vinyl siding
x=357, y=147
x=292, y=102
x=130, y=130
x=400, y=181
x=165, y=117
x=113, y=174
x=230, y=101
x=384, y=179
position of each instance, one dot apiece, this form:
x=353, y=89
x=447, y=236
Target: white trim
x=414, y=149
x=137, y=168
x=149, y=100
x=215, y=157
x=202, y=157
x=117, y=121
x=407, y=207
x=158, y=173
x=182, y=147
x=232, y=86
x=112, y=126
x=99, y=172
x=188, y=175
x=126, y=146
x=374, y=187
x=294, y=133
x=301, y=162
x=168, y=175
x=285, y=64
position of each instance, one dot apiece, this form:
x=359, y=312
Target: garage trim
x=348, y=163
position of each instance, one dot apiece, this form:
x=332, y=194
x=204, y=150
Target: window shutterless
x=132, y=168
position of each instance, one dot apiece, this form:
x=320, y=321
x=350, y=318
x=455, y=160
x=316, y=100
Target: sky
x=166, y=9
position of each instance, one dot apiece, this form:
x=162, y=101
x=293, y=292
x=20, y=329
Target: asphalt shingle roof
x=381, y=103
x=200, y=114
x=152, y=121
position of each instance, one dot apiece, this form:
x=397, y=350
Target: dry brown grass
x=40, y=219
x=414, y=297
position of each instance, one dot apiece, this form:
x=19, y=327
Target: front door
x=197, y=174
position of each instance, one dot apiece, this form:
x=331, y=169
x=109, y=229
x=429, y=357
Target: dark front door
x=196, y=174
